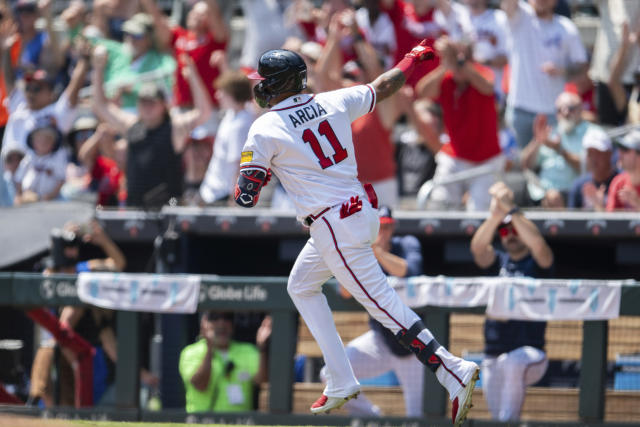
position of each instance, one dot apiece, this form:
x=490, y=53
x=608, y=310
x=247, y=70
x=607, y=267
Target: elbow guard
x=250, y=182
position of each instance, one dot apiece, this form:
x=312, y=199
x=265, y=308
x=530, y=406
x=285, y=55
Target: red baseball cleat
x=325, y=403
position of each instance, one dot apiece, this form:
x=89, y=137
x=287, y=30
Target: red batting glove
x=420, y=53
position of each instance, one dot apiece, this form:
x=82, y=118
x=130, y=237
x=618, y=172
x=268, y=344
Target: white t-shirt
x=381, y=34
x=41, y=174
x=306, y=141
x=221, y=173
x=490, y=35
x=266, y=28
x=535, y=42
x=22, y=120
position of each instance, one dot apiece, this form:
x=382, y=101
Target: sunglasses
x=505, y=231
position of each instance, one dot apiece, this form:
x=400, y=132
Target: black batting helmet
x=279, y=71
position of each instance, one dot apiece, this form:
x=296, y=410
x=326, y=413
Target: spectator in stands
x=591, y=190
x=135, y=61
x=234, y=93
x=372, y=136
x=206, y=32
x=464, y=90
x=156, y=138
x=11, y=158
x=378, y=351
x=9, y=45
x=623, y=99
x=266, y=28
x=95, y=154
x=490, y=48
x=196, y=157
x=74, y=17
x=43, y=170
x=422, y=19
x=93, y=324
x=109, y=16
x=377, y=28
x=624, y=191
x=546, y=52
x=514, y=349
x=219, y=374
x=37, y=101
x=609, y=40
x=39, y=49
x=557, y=154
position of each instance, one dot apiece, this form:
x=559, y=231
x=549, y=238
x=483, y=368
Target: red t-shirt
x=619, y=182
x=588, y=98
x=374, y=149
x=470, y=119
x=411, y=29
x=106, y=177
x=200, y=50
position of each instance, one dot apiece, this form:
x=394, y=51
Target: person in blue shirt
x=590, y=191
x=514, y=349
x=378, y=351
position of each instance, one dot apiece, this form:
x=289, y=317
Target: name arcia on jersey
x=306, y=113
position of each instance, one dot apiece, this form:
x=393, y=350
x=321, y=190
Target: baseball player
x=305, y=139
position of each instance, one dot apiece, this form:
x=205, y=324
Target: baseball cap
x=597, y=138
x=86, y=122
x=630, y=140
x=138, y=25
x=39, y=76
x=385, y=216
x=151, y=90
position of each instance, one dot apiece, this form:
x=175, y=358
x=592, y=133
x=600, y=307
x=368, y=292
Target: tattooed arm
x=388, y=83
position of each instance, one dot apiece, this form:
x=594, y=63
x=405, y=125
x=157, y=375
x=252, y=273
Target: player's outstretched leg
x=457, y=375
x=305, y=289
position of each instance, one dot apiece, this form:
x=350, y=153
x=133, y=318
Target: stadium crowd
x=122, y=103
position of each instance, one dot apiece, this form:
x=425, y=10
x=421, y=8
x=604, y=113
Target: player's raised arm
x=391, y=81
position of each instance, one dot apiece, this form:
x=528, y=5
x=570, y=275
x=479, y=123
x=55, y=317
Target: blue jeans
x=521, y=121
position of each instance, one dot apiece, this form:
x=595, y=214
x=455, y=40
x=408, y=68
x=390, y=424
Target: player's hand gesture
x=502, y=201
x=421, y=52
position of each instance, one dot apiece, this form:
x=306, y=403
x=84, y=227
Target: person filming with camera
x=94, y=325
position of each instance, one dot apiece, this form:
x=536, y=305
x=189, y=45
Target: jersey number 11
x=324, y=129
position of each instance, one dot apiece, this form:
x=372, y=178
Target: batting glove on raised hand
x=421, y=52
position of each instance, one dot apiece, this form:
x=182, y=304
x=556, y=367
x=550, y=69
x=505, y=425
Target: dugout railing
x=270, y=295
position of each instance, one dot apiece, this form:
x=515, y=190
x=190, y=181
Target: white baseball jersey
x=306, y=141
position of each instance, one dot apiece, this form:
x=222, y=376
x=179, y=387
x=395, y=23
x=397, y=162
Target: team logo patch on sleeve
x=246, y=156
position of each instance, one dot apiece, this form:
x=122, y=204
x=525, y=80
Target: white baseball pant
x=341, y=247
x=505, y=379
